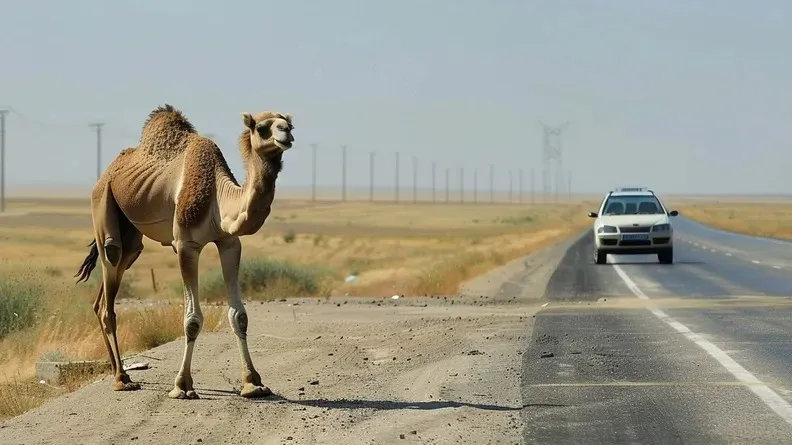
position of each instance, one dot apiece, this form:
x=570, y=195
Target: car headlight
x=607, y=229
x=661, y=228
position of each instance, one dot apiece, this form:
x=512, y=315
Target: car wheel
x=666, y=256
x=600, y=257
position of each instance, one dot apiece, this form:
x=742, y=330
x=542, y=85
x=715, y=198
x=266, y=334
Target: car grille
x=632, y=229
x=635, y=243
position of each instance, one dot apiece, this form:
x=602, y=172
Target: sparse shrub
x=263, y=278
x=19, y=304
x=289, y=237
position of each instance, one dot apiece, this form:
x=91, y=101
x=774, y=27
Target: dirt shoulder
x=344, y=370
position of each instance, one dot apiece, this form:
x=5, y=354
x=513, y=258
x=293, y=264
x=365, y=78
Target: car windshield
x=632, y=205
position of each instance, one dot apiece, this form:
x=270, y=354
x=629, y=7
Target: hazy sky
x=681, y=96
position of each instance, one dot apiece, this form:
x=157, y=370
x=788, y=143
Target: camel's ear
x=248, y=121
x=287, y=116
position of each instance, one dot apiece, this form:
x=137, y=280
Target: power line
x=98, y=127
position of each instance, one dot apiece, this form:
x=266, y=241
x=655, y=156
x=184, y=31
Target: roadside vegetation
x=767, y=219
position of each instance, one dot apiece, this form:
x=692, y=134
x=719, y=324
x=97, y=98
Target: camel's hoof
x=252, y=391
x=126, y=386
x=178, y=393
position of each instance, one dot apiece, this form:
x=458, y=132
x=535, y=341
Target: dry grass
x=768, y=219
x=392, y=248
x=16, y=397
x=304, y=249
x=59, y=321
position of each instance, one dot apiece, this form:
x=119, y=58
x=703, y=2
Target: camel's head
x=270, y=132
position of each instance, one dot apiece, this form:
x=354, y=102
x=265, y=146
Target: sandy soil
x=352, y=370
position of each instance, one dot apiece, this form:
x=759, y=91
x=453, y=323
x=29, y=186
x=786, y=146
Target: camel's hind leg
x=230, y=252
x=98, y=307
x=120, y=245
x=130, y=255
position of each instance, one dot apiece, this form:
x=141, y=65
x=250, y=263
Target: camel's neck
x=243, y=209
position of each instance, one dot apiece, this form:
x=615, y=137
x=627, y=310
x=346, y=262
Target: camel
x=176, y=188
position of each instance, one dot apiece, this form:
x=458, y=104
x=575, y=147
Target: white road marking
x=767, y=395
x=756, y=262
x=727, y=254
x=776, y=267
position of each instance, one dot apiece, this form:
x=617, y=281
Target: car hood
x=628, y=220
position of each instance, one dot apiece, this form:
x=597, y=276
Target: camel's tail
x=89, y=264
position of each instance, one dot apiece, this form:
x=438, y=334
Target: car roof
x=632, y=194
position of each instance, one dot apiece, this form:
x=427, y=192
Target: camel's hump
x=166, y=132
x=167, y=117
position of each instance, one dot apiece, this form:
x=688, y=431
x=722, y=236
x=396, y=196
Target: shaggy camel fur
x=176, y=188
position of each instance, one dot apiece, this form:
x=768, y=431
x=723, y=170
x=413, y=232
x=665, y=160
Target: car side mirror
x=673, y=213
x=592, y=214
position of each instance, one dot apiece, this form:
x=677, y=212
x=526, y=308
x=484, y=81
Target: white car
x=633, y=221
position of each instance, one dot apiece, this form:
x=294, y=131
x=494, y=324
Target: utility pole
x=415, y=179
x=520, y=184
x=448, y=184
x=3, y=113
x=98, y=127
x=371, y=176
x=434, y=183
x=492, y=184
x=313, y=172
x=569, y=184
x=396, y=178
x=533, y=187
x=343, y=173
x=511, y=187
x=475, y=186
x=461, y=185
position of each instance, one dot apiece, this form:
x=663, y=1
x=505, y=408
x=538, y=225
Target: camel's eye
x=282, y=127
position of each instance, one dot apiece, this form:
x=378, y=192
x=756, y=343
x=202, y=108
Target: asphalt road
x=638, y=352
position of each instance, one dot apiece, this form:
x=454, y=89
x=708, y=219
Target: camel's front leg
x=230, y=252
x=188, y=253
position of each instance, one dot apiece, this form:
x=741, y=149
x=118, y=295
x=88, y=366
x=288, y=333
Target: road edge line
x=767, y=395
